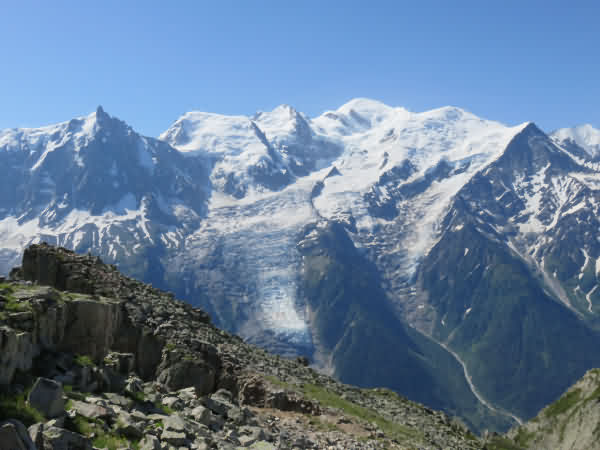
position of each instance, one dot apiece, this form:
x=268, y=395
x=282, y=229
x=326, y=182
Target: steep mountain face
x=357, y=334
x=515, y=268
x=390, y=247
x=93, y=183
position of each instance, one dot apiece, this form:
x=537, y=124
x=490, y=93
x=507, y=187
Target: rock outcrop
x=14, y=436
x=114, y=363
x=571, y=422
x=47, y=397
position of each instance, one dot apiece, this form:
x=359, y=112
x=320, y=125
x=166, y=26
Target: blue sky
x=149, y=62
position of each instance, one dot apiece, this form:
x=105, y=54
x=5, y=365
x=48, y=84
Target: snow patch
x=575, y=208
x=585, y=263
x=585, y=136
x=588, y=297
x=532, y=193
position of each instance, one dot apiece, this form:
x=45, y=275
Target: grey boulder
x=47, y=397
x=60, y=439
x=14, y=436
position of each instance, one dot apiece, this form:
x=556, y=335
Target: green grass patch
x=329, y=399
x=76, y=395
x=563, y=404
x=320, y=425
x=6, y=288
x=577, y=406
x=82, y=425
x=14, y=306
x=102, y=437
x=277, y=382
x=164, y=408
x=71, y=296
x=170, y=346
x=138, y=397
x=502, y=443
x=523, y=437
x=113, y=442
x=11, y=304
x=84, y=361
x=385, y=393
x=16, y=407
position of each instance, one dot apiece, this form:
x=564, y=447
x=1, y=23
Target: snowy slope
x=585, y=136
x=249, y=155
x=364, y=141
x=378, y=138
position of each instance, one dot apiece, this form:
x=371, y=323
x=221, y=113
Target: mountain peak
x=363, y=106
x=284, y=107
x=585, y=136
x=448, y=113
x=357, y=115
x=282, y=112
x=101, y=116
x=531, y=127
x=284, y=119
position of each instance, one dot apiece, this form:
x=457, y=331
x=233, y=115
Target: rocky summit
x=90, y=358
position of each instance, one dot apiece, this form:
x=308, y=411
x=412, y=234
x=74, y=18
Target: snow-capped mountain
x=585, y=137
x=92, y=183
x=361, y=154
x=252, y=154
x=392, y=247
x=515, y=269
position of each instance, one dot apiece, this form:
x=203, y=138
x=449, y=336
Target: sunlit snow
x=374, y=138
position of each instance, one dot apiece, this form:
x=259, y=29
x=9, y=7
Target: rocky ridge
x=93, y=359
x=571, y=422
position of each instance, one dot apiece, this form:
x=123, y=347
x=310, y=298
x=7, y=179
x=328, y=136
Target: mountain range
x=450, y=258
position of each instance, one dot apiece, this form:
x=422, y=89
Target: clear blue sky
x=149, y=62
